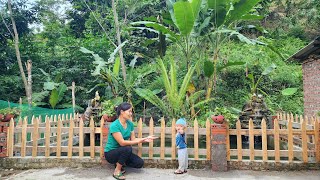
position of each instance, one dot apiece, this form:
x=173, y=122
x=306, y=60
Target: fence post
x=218, y=147
x=3, y=138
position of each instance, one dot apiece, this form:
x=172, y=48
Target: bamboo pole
x=228, y=141
x=11, y=138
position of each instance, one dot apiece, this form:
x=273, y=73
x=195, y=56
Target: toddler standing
x=182, y=146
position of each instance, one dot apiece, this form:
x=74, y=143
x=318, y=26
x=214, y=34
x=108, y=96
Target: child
x=182, y=146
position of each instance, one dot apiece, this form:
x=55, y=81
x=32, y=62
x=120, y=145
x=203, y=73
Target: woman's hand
x=150, y=138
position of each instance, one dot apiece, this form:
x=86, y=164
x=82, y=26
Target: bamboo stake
x=35, y=137
x=47, y=138
x=70, y=141
x=290, y=140
x=24, y=137
x=81, y=138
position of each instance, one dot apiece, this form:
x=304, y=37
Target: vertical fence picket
x=305, y=141
x=290, y=140
x=276, y=141
x=59, y=124
x=162, y=142
x=317, y=139
x=35, y=137
x=228, y=141
x=151, y=132
x=47, y=138
x=81, y=138
x=312, y=140
x=24, y=137
x=70, y=141
x=140, y=136
x=251, y=140
x=173, y=139
x=196, y=139
x=208, y=141
x=239, y=140
x=101, y=137
x=92, y=138
x=264, y=140
x=10, y=140
x=19, y=134
x=307, y=122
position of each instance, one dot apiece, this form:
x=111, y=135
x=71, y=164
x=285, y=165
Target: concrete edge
x=87, y=162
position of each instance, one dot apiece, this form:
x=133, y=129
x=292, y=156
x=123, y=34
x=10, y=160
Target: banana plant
x=255, y=83
x=109, y=72
x=176, y=101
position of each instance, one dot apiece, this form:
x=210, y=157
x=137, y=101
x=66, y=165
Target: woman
x=121, y=137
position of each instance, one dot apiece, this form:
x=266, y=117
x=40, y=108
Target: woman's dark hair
x=123, y=106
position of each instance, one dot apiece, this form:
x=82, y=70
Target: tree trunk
x=29, y=87
x=116, y=22
x=16, y=45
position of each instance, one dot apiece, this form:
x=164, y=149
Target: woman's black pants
x=124, y=156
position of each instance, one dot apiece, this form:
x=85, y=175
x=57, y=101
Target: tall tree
x=27, y=84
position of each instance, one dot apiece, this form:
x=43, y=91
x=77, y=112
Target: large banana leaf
x=219, y=8
x=240, y=9
x=54, y=98
x=158, y=27
x=184, y=16
x=152, y=98
x=61, y=90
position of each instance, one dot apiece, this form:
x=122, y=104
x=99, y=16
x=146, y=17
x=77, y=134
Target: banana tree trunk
x=213, y=79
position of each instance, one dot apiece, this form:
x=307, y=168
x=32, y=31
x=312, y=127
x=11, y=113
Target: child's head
x=181, y=123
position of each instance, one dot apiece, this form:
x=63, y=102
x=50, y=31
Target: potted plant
x=108, y=111
x=8, y=113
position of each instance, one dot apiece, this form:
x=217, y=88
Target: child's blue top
x=181, y=141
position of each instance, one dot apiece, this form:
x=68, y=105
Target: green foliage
x=14, y=111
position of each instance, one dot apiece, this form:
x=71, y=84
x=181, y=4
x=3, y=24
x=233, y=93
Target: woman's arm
x=119, y=138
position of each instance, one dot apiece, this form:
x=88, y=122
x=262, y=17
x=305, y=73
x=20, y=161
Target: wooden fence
x=61, y=136
x=291, y=140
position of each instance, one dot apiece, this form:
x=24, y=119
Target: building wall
x=311, y=85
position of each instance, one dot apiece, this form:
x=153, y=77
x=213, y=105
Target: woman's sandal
x=119, y=176
x=178, y=171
